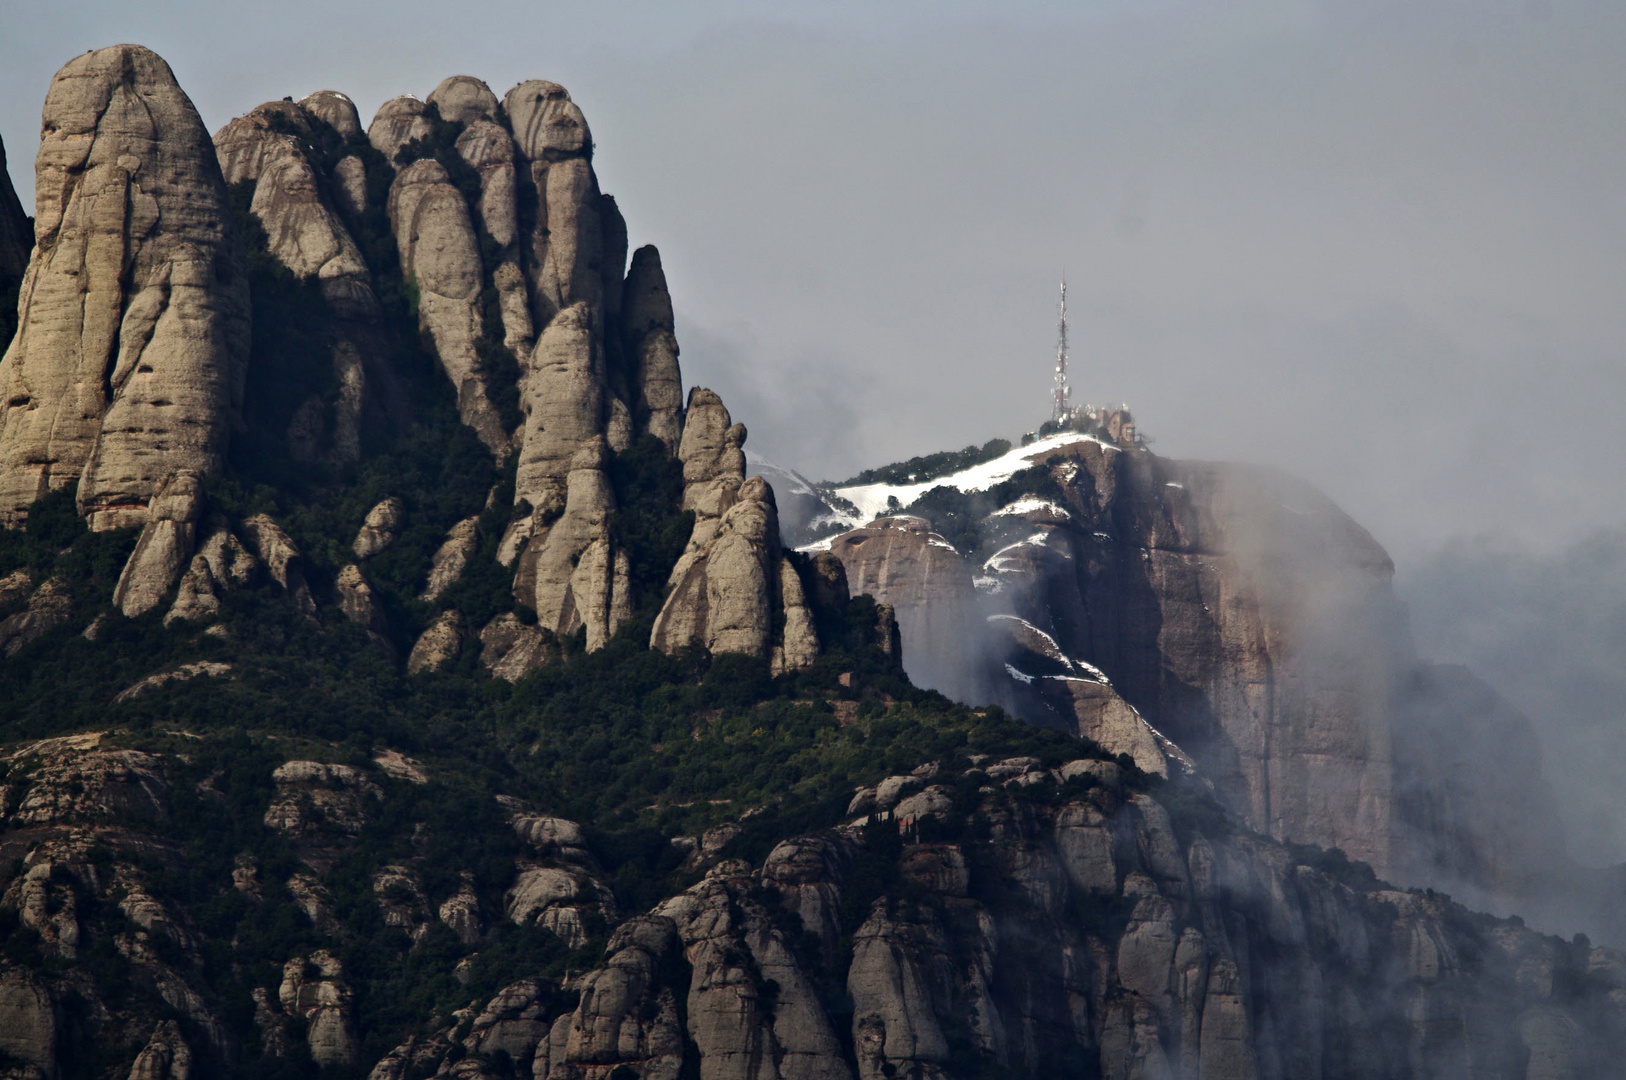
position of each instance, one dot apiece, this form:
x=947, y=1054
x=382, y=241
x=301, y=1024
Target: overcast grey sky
x=1380, y=244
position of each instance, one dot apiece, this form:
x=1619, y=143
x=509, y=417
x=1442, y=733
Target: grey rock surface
x=380, y=528
x=397, y=122
x=307, y=234
x=440, y=252
x=164, y=550
x=650, y=345
x=451, y=558
x=438, y=644
x=463, y=99
x=129, y=359
x=334, y=109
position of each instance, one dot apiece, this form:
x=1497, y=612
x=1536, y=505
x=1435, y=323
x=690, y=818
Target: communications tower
x=1061, y=394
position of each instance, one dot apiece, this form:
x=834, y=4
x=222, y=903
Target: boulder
x=164, y=549
x=48, y=608
x=335, y=110
x=650, y=346
x=397, y=122
x=267, y=540
x=440, y=253
x=438, y=644
x=130, y=354
x=509, y=648
x=380, y=528
x=463, y=99
x=451, y=558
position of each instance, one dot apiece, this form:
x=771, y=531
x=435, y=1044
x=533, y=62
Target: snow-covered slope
x=871, y=500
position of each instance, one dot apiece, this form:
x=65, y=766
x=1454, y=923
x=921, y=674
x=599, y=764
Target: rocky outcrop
x=571, y=574
x=379, y=528
x=313, y=990
x=489, y=150
x=1052, y=688
x=440, y=255
x=165, y=547
x=626, y=1017
x=713, y=454
x=899, y=560
x=49, y=606
x=438, y=644
x=336, y=110
x=221, y=563
x=564, y=396
x=723, y=594
x=306, y=234
x=128, y=362
x=165, y=1057
x=650, y=345
x=182, y=673
x=281, y=558
x=360, y=606
x=509, y=648
x=397, y=122
x=16, y=234
x=564, y=253
x=1245, y=617
x=799, y=638
x=451, y=558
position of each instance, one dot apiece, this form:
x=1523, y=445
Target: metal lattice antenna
x=1061, y=395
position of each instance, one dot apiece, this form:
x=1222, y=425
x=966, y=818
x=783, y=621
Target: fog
x=1380, y=245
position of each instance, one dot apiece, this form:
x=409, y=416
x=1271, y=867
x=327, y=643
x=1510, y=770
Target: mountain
x=402, y=676
x=1232, y=617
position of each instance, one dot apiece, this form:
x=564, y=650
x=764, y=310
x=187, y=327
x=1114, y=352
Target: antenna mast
x=1061, y=394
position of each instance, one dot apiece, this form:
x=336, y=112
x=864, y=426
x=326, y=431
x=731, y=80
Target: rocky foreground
x=990, y=918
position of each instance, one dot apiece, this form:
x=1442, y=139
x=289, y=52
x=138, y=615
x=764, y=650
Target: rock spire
x=129, y=359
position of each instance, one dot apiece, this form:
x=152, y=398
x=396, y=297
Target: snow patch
x=1019, y=676
x=871, y=499
x=1030, y=505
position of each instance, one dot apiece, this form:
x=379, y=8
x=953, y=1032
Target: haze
x=1381, y=245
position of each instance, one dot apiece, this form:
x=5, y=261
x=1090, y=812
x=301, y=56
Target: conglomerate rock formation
x=996, y=916
x=128, y=362
x=239, y=572
x=1238, y=615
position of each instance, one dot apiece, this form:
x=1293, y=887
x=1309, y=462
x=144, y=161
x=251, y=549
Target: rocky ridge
x=488, y=219
x=995, y=914
x=1229, y=615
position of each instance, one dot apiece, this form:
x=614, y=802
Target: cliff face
x=1002, y=917
x=1248, y=620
